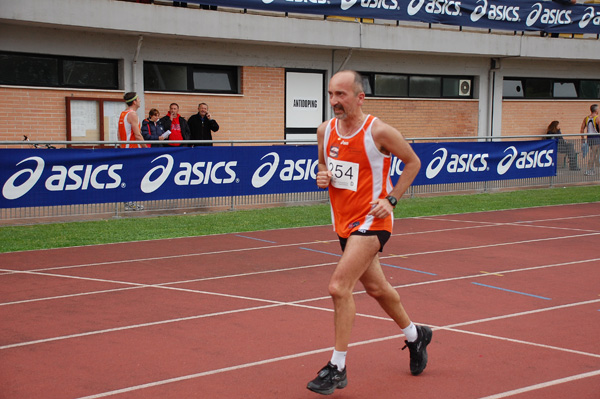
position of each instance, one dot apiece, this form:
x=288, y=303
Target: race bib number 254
x=344, y=174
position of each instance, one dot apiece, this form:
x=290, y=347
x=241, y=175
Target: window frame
x=578, y=83
x=61, y=60
x=232, y=72
x=370, y=77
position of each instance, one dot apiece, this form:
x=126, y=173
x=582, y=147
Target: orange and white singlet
x=125, y=132
x=360, y=176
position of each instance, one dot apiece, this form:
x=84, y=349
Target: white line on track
x=543, y=385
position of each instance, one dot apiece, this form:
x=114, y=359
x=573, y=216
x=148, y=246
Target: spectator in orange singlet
x=354, y=161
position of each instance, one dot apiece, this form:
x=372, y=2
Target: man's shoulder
x=132, y=115
x=323, y=126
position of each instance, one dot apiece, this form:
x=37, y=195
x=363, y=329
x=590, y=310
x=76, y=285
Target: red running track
x=513, y=298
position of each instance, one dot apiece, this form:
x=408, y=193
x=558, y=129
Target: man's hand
x=324, y=178
x=381, y=208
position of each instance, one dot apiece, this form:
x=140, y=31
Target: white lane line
x=130, y=327
x=543, y=385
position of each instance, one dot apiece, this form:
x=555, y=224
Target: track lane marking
x=543, y=385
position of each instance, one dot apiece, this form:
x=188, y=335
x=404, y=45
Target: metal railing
x=567, y=175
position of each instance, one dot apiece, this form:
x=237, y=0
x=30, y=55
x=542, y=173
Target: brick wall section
x=40, y=113
x=427, y=118
x=521, y=118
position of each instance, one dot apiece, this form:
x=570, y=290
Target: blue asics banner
x=77, y=176
x=513, y=15
x=443, y=163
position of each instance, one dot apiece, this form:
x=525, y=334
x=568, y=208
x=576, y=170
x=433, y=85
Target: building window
x=58, y=71
x=416, y=86
x=565, y=89
x=191, y=78
x=425, y=86
x=513, y=88
x=589, y=89
x=538, y=88
x=549, y=88
x=391, y=85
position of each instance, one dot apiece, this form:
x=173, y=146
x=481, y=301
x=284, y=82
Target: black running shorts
x=382, y=235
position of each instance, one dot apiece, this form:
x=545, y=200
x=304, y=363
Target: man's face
x=174, y=110
x=342, y=97
x=203, y=110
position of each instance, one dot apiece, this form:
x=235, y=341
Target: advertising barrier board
x=35, y=177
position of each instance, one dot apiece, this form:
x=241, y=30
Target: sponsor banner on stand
x=512, y=15
x=80, y=176
x=443, y=163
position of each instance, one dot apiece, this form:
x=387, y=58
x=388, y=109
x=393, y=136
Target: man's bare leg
x=417, y=337
x=356, y=259
x=388, y=298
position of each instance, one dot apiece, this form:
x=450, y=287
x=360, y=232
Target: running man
x=354, y=161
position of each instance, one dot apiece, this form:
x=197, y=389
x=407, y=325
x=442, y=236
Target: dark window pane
x=513, y=88
x=165, y=77
x=17, y=69
x=425, y=86
x=391, y=86
x=538, y=88
x=589, y=89
x=450, y=87
x=94, y=74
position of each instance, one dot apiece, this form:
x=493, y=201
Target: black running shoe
x=328, y=380
x=418, y=350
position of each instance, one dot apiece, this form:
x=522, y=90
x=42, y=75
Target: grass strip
x=58, y=235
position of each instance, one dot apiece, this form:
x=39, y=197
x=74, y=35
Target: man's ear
x=361, y=98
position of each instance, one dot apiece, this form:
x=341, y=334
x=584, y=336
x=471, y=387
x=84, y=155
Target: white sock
x=339, y=359
x=411, y=332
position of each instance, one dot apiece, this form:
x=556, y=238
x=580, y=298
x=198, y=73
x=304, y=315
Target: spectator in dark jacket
x=202, y=125
x=152, y=129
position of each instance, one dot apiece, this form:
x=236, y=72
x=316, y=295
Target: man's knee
x=338, y=290
x=378, y=291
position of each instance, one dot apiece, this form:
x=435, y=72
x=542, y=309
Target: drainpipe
x=135, y=58
x=348, y=56
x=133, y=71
x=494, y=66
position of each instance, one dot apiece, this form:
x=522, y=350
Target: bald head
x=346, y=95
x=350, y=77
